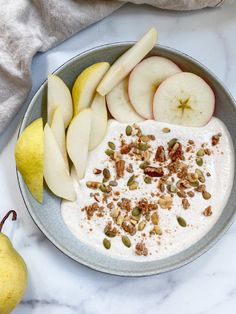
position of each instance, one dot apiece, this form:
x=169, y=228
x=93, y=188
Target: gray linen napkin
x=27, y=27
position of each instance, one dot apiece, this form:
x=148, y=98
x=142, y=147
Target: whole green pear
x=13, y=272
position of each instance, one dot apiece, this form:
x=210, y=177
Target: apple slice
x=119, y=104
x=126, y=62
x=144, y=80
x=98, y=122
x=77, y=140
x=85, y=85
x=59, y=96
x=184, y=99
x=55, y=171
x=58, y=130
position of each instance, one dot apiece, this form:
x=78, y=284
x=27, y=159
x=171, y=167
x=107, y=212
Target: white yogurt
x=174, y=238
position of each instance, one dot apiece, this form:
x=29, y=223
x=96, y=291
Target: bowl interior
x=48, y=215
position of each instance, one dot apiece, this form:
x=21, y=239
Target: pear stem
x=14, y=217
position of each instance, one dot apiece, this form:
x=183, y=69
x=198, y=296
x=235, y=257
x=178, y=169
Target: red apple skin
x=158, y=61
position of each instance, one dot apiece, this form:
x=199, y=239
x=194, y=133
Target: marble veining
x=58, y=285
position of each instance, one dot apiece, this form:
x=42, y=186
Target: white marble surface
x=58, y=285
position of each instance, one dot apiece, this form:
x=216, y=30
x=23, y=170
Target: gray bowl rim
x=66, y=252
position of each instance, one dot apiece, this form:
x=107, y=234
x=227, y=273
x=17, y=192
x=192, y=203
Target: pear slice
x=119, y=104
x=144, y=80
x=85, y=85
x=58, y=130
x=77, y=140
x=56, y=174
x=29, y=153
x=98, y=122
x=59, y=96
x=126, y=62
x=184, y=99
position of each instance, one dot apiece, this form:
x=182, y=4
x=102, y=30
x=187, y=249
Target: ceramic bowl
x=48, y=215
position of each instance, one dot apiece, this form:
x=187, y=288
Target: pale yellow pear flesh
x=77, y=140
x=59, y=96
x=56, y=173
x=29, y=155
x=119, y=104
x=126, y=62
x=58, y=130
x=85, y=85
x=98, y=122
x=13, y=276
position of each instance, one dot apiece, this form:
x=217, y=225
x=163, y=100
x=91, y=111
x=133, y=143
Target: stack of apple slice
x=134, y=90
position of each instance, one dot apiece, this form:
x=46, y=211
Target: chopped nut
x=183, y=184
x=113, y=183
x=106, y=173
x=110, y=231
x=175, y=152
x=207, y=211
x=140, y=249
x=160, y=154
x=125, y=149
x=120, y=168
x=129, y=168
x=182, y=194
x=215, y=139
x=201, y=188
x=185, y=203
x=165, y=201
x=166, y=130
x=152, y=137
x=145, y=138
x=154, y=171
x=97, y=171
x=190, y=193
x=93, y=184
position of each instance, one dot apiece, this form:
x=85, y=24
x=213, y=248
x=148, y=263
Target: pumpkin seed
x=131, y=180
x=181, y=221
x=155, y=218
x=141, y=225
x=157, y=230
x=194, y=184
x=106, y=243
x=126, y=241
x=112, y=145
x=142, y=146
x=128, y=130
x=119, y=220
x=113, y=183
x=135, y=212
x=206, y=195
x=192, y=177
x=200, y=152
x=115, y=213
x=144, y=165
x=144, y=138
x=201, y=176
x=147, y=180
x=105, y=189
x=172, y=142
x=109, y=152
x=199, y=161
x=133, y=186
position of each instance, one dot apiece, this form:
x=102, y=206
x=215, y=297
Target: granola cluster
x=165, y=167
